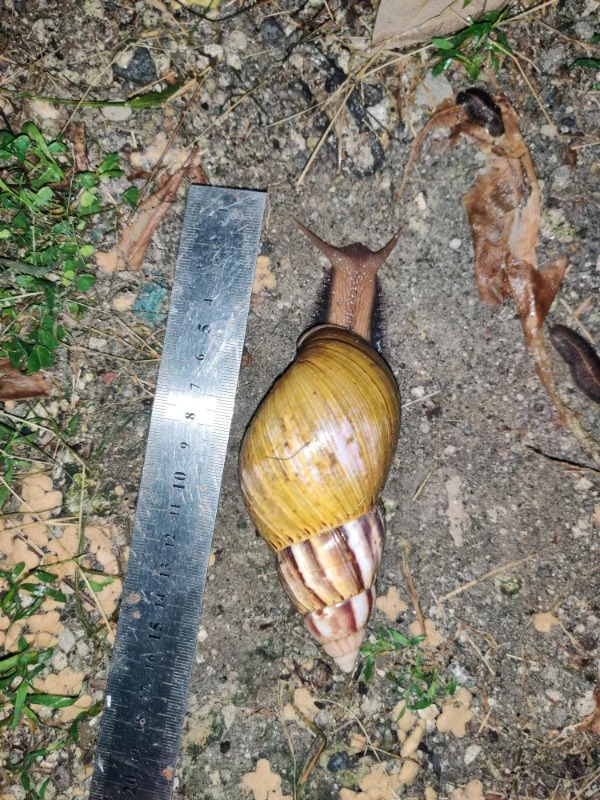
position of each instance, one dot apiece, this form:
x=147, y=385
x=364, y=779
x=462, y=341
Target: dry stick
x=490, y=574
x=288, y=738
x=577, y=321
x=64, y=549
x=412, y=590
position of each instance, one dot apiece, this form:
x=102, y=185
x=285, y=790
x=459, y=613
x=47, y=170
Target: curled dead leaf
x=504, y=212
x=15, y=385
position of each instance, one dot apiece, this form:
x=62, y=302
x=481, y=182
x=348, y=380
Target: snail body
x=316, y=456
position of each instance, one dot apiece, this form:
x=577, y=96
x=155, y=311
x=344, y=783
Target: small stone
x=455, y=244
x=338, y=761
x=214, y=50
x=561, y=178
x=202, y=635
x=83, y=649
x=136, y=66
x=59, y=660
x=116, y=113
x=432, y=91
x=583, y=484
x=271, y=32
x=234, y=61
x=236, y=40
x=471, y=753
x=553, y=60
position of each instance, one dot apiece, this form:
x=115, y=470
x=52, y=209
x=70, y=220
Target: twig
x=490, y=574
x=412, y=590
x=423, y=483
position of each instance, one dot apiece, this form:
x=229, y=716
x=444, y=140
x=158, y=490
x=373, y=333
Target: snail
x=316, y=456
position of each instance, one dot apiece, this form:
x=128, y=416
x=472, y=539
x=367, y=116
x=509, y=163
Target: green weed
x=46, y=213
x=474, y=46
x=21, y=595
x=417, y=683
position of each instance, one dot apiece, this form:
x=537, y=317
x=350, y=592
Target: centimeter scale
x=148, y=684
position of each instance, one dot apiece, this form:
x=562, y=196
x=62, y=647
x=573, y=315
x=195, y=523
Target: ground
x=492, y=506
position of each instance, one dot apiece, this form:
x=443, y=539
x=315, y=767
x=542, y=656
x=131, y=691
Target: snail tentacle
x=353, y=282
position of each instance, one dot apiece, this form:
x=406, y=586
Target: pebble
x=116, y=113
x=471, y=753
x=214, y=50
x=271, y=32
x=432, y=91
x=338, y=761
x=455, y=244
x=59, y=660
x=66, y=640
x=236, y=40
x=83, y=648
x=561, y=178
x=136, y=66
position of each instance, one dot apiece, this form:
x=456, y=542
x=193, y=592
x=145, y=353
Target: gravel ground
x=470, y=492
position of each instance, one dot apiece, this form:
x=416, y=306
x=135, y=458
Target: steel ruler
x=148, y=683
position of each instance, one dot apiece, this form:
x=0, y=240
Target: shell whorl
x=318, y=450
x=330, y=579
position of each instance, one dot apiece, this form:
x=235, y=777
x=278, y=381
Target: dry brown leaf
x=503, y=208
x=14, y=385
x=405, y=22
x=129, y=252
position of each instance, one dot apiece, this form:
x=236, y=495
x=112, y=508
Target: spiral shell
x=313, y=465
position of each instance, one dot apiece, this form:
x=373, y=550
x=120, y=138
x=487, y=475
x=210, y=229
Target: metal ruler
x=148, y=684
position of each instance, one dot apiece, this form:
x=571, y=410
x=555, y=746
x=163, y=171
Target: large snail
x=316, y=456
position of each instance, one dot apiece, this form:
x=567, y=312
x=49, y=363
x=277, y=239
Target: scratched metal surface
x=156, y=638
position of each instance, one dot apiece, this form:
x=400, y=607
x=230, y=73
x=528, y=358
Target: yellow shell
x=318, y=451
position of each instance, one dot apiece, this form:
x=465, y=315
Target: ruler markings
x=156, y=640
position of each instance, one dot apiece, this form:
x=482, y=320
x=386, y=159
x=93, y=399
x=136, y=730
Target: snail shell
x=313, y=464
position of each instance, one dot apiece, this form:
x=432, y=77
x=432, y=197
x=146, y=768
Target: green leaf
x=97, y=586
x=369, y=664
x=43, y=590
x=42, y=356
x=151, y=99
x=19, y=702
x=442, y=43
x=47, y=339
x=443, y=65
x=131, y=196
x=45, y=577
x=110, y=163
x=586, y=63
x=86, y=179
x=87, y=198
x=16, y=571
x=87, y=250
x=595, y=38
x=85, y=282
x=43, y=196
x=51, y=700
x=20, y=146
